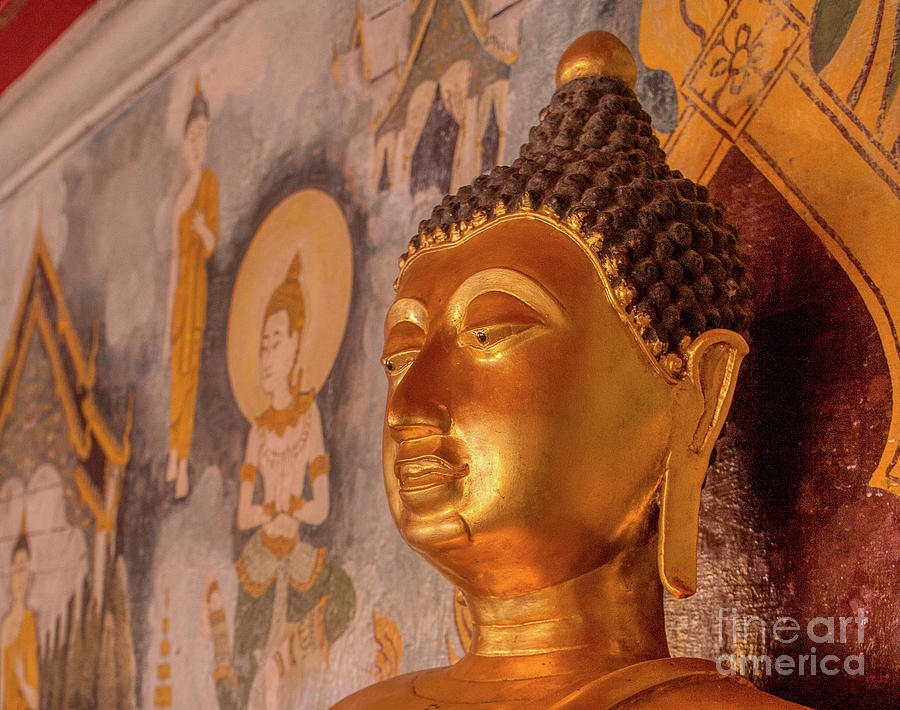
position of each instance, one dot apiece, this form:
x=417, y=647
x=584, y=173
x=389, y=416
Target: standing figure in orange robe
x=194, y=238
x=19, y=688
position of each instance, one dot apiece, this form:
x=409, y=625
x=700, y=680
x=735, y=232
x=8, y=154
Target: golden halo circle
x=311, y=222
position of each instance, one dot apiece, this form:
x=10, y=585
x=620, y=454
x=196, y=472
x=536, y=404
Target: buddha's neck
x=613, y=615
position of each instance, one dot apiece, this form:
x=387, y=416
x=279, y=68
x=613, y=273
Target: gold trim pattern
x=322, y=639
x=280, y=547
x=248, y=473
x=317, y=570
x=320, y=466
x=252, y=588
x=278, y=420
x=223, y=672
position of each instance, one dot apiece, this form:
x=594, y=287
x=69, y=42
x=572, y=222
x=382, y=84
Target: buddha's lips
x=426, y=471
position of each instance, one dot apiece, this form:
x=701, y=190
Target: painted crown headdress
x=199, y=105
x=22, y=539
x=594, y=167
x=288, y=296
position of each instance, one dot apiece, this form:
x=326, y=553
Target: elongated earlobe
x=701, y=403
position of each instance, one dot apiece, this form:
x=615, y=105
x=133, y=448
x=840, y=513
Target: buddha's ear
x=701, y=403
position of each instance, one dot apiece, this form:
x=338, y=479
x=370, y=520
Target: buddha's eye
x=397, y=363
x=487, y=337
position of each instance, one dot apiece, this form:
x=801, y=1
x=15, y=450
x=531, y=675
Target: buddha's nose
x=417, y=407
x=410, y=428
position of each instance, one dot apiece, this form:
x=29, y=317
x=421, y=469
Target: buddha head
x=279, y=362
x=196, y=131
x=562, y=351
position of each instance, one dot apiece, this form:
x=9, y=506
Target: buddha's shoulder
x=391, y=693
x=653, y=685
x=672, y=683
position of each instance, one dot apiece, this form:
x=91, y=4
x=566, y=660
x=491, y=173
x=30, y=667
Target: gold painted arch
x=745, y=79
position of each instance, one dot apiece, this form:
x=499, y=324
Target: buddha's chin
x=437, y=531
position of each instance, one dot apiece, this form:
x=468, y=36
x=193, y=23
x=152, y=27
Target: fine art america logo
x=749, y=632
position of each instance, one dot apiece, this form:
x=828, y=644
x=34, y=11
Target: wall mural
x=195, y=231
x=191, y=505
x=293, y=600
x=66, y=622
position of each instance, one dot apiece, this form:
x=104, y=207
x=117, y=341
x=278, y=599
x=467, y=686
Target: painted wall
x=197, y=257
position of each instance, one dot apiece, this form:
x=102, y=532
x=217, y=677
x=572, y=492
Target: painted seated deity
x=293, y=601
x=561, y=356
x=19, y=671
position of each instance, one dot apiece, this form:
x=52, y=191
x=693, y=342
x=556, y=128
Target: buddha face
x=525, y=431
x=196, y=137
x=20, y=567
x=278, y=352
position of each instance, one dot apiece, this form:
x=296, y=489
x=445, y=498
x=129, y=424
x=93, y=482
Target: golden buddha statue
x=561, y=355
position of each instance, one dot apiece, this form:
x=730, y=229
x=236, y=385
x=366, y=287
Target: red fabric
x=30, y=31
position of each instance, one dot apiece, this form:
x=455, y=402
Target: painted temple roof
x=430, y=55
x=42, y=312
